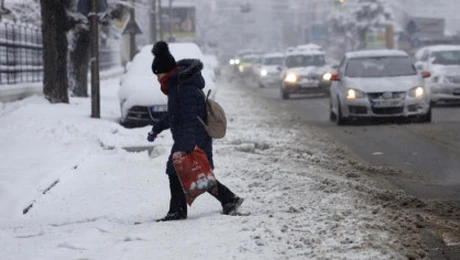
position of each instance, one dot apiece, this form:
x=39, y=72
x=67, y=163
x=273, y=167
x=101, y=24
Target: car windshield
x=273, y=61
x=371, y=67
x=249, y=60
x=295, y=61
x=446, y=57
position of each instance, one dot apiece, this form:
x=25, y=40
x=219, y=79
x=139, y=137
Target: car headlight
x=232, y=62
x=417, y=92
x=291, y=78
x=354, y=93
x=327, y=76
x=237, y=61
x=263, y=73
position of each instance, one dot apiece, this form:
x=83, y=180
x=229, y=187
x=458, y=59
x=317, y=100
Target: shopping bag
x=195, y=174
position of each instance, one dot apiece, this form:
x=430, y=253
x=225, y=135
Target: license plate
x=159, y=108
x=309, y=83
x=386, y=103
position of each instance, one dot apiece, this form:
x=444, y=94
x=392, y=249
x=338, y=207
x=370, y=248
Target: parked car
x=141, y=100
x=378, y=83
x=302, y=71
x=443, y=62
x=267, y=73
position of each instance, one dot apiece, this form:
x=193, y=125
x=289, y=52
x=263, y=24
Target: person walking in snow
x=183, y=83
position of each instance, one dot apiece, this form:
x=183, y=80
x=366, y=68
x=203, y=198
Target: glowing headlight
x=237, y=61
x=263, y=73
x=354, y=93
x=241, y=68
x=232, y=62
x=327, y=76
x=417, y=92
x=291, y=78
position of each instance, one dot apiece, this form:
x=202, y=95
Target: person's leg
x=177, y=203
x=229, y=201
x=224, y=194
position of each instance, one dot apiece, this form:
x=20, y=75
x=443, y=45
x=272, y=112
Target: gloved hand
x=151, y=136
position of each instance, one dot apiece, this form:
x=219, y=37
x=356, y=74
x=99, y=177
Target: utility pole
x=170, y=21
x=153, y=22
x=132, y=33
x=95, y=94
x=160, y=20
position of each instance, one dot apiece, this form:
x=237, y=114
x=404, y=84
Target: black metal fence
x=20, y=54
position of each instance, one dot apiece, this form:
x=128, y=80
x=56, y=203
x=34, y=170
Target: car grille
x=311, y=77
x=388, y=110
x=391, y=95
x=357, y=109
x=455, y=80
x=143, y=113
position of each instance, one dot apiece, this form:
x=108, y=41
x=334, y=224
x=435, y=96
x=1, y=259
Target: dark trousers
x=178, y=203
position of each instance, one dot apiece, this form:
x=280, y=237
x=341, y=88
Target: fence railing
x=21, y=54
x=21, y=51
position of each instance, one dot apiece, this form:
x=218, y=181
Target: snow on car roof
x=305, y=52
x=273, y=55
x=374, y=53
x=180, y=50
x=444, y=48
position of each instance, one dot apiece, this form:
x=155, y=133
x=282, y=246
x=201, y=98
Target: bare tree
x=79, y=49
x=55, y=25
x=79, y=53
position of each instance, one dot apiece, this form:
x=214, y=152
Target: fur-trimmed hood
x=189, y=69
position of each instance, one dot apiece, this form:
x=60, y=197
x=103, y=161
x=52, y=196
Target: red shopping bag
x=195, y=174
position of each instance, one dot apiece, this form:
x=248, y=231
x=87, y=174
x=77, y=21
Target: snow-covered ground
x=68, y=189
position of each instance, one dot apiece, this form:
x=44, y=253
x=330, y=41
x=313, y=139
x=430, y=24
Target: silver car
x=378, y=83
x=267, y=72
x=443, y=61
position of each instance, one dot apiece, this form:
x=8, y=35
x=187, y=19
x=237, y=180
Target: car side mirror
x=425, y=74
x=335, y=77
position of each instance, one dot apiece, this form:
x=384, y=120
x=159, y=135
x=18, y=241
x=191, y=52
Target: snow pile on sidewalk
x=68, y=190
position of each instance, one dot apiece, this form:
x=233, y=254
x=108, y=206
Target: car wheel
x=284, y=94
x=426, y=118
x=340, y=119
x=332, y=115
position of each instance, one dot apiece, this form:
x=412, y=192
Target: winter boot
x=174, y=215
x=231, y=208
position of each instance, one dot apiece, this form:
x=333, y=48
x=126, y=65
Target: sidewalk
x=87, y=191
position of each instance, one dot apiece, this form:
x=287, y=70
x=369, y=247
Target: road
x=428, y=154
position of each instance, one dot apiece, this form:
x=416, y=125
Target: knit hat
x=163, y=61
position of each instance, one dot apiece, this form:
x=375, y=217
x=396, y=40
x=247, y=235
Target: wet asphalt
x=428, y=153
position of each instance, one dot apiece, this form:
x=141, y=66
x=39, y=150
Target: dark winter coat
x=186, y=101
